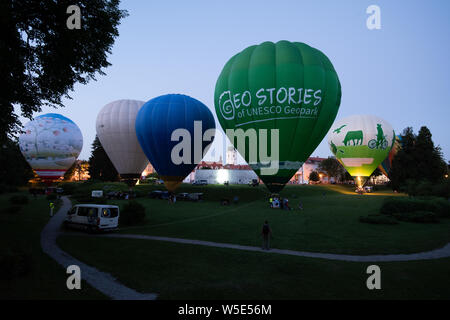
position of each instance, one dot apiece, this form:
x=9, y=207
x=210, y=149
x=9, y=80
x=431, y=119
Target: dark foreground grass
x=328, y=223
x=179, y=271
x=20, y=234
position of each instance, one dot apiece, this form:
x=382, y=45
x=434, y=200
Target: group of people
x=172, y=197
x=277, y=202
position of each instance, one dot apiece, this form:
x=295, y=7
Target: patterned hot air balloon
x=360, y=143
x=288, y=86
x=117, y=134
x=174, y=131
x=386, y=165
x=51, y=143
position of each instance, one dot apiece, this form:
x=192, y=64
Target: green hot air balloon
x=360, y=143
x=288, y=86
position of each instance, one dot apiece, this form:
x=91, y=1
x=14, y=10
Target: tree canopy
x=100, y=166
x=418, y=160
x=41, y=59
x=333, y=168
x=14, y=169
x=314, y=176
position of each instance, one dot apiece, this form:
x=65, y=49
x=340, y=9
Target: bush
x=132, y=213
x=378, y=219
x=14, y=264
x=82, y=198
x=442, y=189
x=18, y=200
x=4, y=188
x=417, y=216
x=69, y=188
x=11, y=209
x=52, y=197
x=392, y=206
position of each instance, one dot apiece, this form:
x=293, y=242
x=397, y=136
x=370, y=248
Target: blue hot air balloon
x=174, y=131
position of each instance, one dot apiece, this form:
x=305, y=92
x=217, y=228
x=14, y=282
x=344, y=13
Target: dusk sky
x=399, y=73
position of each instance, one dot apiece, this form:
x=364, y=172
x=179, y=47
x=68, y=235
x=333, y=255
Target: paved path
x=433, y=254
x=103, y=282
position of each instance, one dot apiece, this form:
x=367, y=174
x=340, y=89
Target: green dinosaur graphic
x=338, y=130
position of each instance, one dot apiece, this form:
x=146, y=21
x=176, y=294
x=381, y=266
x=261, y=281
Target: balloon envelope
x=51, y=143
x=386, y=165
x=156, y=128
x=288, y=86
x=360, y=143
x=117, y=133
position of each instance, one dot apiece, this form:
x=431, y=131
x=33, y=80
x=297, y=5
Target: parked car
x=368, y=189
x=158, y=194
x=200, y=183
x=195, y=196
x=184, y=196
x=93, y=217
x=155, y=194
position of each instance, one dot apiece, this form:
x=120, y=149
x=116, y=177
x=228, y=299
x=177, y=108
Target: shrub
x=52, y=196
x=18, y=200
x=392, y=206
x=4, y=188
x=14, y=264
x=88, y=199
x=417, y=216
x=11, y=209
x=69, y=188
x=442, y=189
x=378, y=219
x=132, y=213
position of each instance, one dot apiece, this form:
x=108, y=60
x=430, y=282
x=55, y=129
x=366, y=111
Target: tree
x=429, y=159
x=77, y=169
x=314, y=176
x=14, y=169
x=332, y=167
x=70, y=172
x=100, y=166
x=418, y=161
x=41, y=59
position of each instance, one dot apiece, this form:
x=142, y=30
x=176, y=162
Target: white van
x=93, y=217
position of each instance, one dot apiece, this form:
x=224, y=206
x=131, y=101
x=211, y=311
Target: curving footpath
x=103, y=282
x=433, y=254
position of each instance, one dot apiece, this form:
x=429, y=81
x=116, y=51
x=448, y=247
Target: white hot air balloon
x=116, y=131
x=51, y=143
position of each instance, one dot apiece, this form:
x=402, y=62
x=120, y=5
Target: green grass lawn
x=20, y=234
x=328, y=223
x=179, y=271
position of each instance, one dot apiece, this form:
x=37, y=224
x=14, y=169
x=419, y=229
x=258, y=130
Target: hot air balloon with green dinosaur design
x=360, y=143
x=289, y=94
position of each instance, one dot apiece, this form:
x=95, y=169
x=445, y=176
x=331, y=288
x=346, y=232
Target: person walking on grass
x=266, y=234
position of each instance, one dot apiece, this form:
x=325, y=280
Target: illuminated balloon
x=175, y=132
x=51, y=143
x=288, y=86
x=360, y=143
x=386, y=165
x=117, y=134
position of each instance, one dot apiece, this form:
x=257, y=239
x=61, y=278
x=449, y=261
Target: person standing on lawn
x=266, y=234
